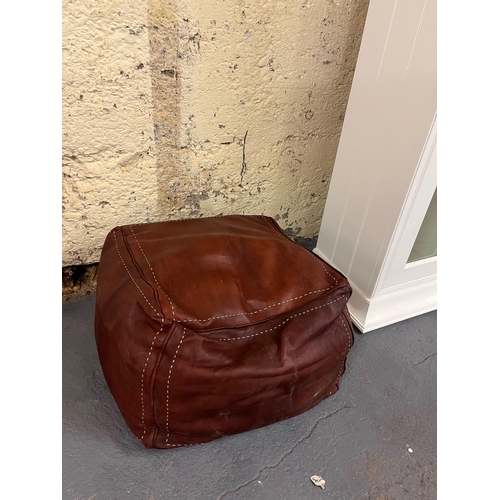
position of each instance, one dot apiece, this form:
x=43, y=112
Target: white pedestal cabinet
x=379, y=223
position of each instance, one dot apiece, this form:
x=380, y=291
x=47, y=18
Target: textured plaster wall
x=194, y=108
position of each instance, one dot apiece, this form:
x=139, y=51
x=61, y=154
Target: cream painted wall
x=158, y=97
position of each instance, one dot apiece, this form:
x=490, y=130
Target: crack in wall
x=243, y=162
x=286, y=454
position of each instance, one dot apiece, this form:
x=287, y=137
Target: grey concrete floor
x=358, y=440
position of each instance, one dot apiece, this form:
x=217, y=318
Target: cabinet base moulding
x=391, y=305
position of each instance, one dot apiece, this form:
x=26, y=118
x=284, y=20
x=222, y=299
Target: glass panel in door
x=425, y=245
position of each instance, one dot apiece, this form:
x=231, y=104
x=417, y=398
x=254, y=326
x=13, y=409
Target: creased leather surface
x=210, y=327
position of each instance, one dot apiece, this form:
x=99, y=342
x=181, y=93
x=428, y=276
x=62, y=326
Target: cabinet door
x=384, y=177
x=412, y=256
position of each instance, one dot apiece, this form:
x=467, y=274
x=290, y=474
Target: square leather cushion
x=215, y=326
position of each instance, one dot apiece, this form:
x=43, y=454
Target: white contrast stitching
x=348, y=347
x=348, y=333
x=152, y=343
x=286, y=321
x=208, y=319
x=126, y=268
x=153, y=273
x=264, y=308
x=168, y=384
x=189, y=444
x=142, y=379
x=235, y=314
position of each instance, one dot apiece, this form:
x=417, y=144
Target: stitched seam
x=348, y=347
x=153, y=273
x=226, y=315
x=152, y=343
x=336, y=381
x=348, y=333
x=189, y=444
x=286, y=239
x=264, y=308
x=131, y=277
x=285, y=321
x=180, y=445
x=168, y=385
x=142, y=380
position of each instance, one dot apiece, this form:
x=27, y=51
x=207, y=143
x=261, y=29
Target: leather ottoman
x=215, y=326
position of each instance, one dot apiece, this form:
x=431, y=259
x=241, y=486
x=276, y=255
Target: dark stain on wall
x=163, y=33
x=79, y=280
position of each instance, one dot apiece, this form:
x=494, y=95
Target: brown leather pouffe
x=215, y=326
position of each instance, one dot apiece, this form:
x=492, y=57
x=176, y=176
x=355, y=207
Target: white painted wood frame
x=385, y=171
